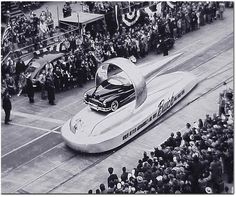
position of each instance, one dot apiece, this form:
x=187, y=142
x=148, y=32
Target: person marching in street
x=50, y=87
x=42, y=80
x=6, y=105
x=10, y=82
x=30, y=88
x=221, y=9
x=163, y=47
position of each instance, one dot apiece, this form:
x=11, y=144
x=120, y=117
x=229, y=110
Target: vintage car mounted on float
x=110, y=94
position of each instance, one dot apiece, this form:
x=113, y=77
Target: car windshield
x=110, y=84
x=119, y=80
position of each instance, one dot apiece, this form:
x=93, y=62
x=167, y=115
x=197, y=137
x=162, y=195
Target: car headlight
x=104, y=102
x=85, y=95
x=73, y=127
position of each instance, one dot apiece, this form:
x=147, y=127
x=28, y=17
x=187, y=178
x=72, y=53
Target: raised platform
x=83, y=18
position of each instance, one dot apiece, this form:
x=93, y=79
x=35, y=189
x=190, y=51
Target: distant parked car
x=38, y=64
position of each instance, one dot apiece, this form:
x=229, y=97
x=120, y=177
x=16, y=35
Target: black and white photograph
x=117, y=97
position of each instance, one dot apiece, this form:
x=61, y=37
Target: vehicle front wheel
x=114, y=105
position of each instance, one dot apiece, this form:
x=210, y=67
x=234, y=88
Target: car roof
x=39, y=62
x=34, y=64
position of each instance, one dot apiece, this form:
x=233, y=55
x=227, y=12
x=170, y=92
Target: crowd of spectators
x=108, y=6
x=27, y=30
x=85, y=52
x=197, y=160
x=142, y=38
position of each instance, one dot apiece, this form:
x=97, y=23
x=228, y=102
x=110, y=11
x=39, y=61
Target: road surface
x=35, y=159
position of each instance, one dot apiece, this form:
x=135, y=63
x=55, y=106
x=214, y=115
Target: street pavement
x=35, y=159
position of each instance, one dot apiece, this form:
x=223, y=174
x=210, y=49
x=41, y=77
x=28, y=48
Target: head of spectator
x=110, y=170
x=102, y=187
x=124, y=169
x=90, y=191
x=188, y=126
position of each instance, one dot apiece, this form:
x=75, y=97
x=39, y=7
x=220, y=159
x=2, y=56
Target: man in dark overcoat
x=50, y=88
x=30, y=89
x=6, y=105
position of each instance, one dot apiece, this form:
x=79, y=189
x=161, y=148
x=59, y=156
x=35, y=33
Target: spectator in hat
x=217, y=174
x=10, y=82
x=112, y=177
x=30, y=88
x=111, y=187
x=124, y=175
x=50, y=87
x=221, y=9
x=42, y=80
x=204, y=181
x=66, y=10
x=171, y=140
x=207, y=121
x=221, y=105
x=20, y=68
x=178, y=139
x=6, y=105
x=195, y=168
x=103, y=189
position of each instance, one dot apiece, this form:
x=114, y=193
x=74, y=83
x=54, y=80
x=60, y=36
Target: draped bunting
x=6, y=34
x=131, y=18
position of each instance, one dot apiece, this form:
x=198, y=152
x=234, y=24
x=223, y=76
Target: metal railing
x=27, y=50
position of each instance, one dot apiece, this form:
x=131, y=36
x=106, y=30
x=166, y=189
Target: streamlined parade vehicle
x=135, y=97
x=110, y=94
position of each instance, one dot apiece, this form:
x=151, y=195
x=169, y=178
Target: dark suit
x=6, y=105
x=30, y=90
x=50, y=89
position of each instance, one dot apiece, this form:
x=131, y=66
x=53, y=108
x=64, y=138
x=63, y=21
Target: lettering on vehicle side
x=163, y=106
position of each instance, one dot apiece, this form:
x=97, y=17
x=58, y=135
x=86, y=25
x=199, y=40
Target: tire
x=114, y=105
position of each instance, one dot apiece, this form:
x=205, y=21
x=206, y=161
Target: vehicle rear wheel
x=114, y=105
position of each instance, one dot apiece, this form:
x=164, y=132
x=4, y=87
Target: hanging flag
x=170, y=4
x=6, y=33
x=131, y=18
x=116, y=15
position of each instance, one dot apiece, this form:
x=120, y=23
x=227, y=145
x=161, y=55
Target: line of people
x=198, y=160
